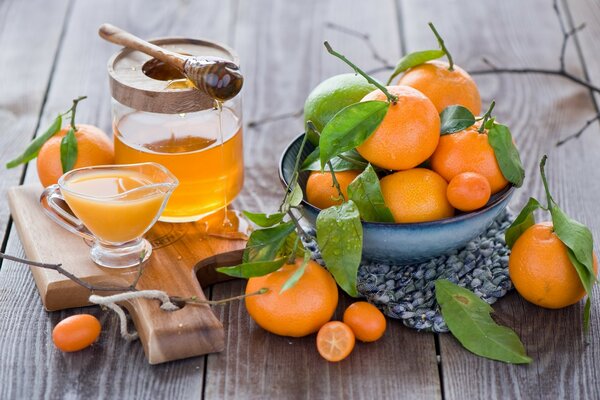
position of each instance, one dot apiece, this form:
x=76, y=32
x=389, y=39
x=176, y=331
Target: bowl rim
x=501, y=196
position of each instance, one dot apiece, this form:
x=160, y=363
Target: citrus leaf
x=68, y=151
x=351, y=160
x=250, y=269
x=455, y=119
x=34, y=147
x=312, y=159
x=339, y=236
x=506, y=153
x=292, y=280
x=264, y=220
x=413, y=59
x=523, y=221
x=350, y=127
x=468, y=318
x=365, y=192
x=578, y=238
x=264, y=244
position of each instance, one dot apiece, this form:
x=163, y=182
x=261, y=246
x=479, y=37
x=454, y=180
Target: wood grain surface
x=280, y=49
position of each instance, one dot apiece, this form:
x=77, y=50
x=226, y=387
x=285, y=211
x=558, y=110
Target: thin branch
x=58, y=268
x=299, y=228
x=365, y=38
x=501, y=70
x=197, y=301
x=274, y=118
x=577, y=134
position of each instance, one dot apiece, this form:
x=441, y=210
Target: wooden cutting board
x=182, y=255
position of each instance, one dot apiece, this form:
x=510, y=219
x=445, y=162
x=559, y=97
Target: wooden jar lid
x=130, y=86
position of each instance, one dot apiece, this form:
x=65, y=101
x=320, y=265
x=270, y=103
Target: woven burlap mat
x=406, y=292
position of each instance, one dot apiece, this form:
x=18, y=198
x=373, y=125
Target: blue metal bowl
x=405, y=243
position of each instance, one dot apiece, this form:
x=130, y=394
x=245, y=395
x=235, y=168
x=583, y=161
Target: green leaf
x=339, y=236
x=413, y=59
x=264, y=220
x=292, y=280
x=468, y=318
x=264, y=244
x=34, y=147
x=455, y=119
x=506, y=154
x=250, y=269
x=350, y=127
x=351, y=160
x=312, y=159
x=523, y=221
x=68, y=151
x=293, y=197
x=578, y=238
x=365, y=192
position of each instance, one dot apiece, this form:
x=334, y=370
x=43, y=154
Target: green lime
x=331, y=95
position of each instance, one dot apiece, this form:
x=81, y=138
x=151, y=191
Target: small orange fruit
x=365, y=320
x=444, y=87
x=416, y=195
x=320, y=191
x=335, y=341
x=93, y=148
x=408, y=134
x=300, y=310
x=468, y=151
x=541, y=271
x=468, y=191
x=76, y=332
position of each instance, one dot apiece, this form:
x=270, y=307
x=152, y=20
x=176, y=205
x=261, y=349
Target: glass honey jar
x=158, y=116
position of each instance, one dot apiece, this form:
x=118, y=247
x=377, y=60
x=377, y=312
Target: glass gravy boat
x=112, y=206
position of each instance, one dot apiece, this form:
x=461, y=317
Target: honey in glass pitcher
x=161, y=118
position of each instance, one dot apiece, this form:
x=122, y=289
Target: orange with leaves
x=408, y=134
x=298, y=311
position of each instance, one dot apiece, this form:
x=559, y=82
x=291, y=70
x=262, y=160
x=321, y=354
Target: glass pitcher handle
x=62, y=215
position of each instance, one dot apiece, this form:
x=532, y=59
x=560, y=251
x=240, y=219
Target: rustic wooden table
x=50, y=53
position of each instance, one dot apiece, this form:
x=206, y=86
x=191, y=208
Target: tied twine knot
x=111, y=302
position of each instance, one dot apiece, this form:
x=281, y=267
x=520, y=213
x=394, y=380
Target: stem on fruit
x=391, y=98
x=487, y=116
x=443, y=47
x=545, y=182
x=336, y=184
x=73, y=111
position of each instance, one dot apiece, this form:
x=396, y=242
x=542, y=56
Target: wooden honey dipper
x=217, y=77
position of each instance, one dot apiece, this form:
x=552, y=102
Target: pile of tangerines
x=431, y=175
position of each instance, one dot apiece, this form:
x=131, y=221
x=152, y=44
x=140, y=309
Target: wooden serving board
x=182, y=255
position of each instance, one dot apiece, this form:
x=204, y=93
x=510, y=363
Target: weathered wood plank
x=25, y=68
x=540, y=111
x=283, y=58
x=31, y=367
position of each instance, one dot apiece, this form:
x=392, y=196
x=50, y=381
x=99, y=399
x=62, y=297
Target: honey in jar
x=159, y=117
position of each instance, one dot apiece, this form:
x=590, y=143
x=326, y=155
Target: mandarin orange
x=540, y=268
x=468, y=191
x=300, y=310
x=320, y=191
x=444, y=87
x=416, y=195
x=408, y=134
x=93, y=148
x=468, y=151
x=365, y=320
